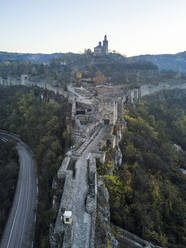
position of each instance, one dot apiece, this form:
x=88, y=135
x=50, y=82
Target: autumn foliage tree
x=99, y=78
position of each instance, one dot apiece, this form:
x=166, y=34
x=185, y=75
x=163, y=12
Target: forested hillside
x=8, y=178
x=168, y=62
x=41, y=120
x=71, y=67
x=147, y=193
x=27, y=57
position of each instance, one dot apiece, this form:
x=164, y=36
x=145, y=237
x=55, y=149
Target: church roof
x=98, y=46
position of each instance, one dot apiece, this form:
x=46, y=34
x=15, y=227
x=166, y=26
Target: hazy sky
x=133, y=26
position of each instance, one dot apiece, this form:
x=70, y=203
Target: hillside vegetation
x=42, y=124
x=8, y=179
x=70, y=67
x=27, y=57
x=147, y=193
x=169, y=62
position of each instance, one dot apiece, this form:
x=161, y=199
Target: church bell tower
x=105, y=45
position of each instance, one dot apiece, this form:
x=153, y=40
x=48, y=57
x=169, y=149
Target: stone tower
x=105, y=45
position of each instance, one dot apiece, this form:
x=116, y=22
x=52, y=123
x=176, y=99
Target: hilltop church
x=102, y=49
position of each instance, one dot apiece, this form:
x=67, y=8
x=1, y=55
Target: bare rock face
x=108, y=235
x=118, y=158
x=103, y=200
x=103, y=236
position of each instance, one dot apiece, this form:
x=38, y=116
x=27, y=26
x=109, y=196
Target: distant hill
x=168, y=62
x=22, y=57
x=72, y=59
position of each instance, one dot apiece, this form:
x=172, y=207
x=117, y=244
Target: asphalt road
x=19, y=228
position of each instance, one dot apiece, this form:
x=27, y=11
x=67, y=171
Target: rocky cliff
x=107, y=235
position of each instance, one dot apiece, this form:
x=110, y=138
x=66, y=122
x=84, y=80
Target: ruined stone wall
x=61, y=235
x=91, y=201
x=9, y=81
x=107, y=111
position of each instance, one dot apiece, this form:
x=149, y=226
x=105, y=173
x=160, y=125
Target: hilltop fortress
x=102, y=49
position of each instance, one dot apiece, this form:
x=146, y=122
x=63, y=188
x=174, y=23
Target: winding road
x=19, y=228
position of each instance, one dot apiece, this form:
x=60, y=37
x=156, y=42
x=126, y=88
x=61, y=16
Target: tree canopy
x=41, y=119
x=147, y=193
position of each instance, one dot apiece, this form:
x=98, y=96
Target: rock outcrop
x=103, y=234
x=109, y=235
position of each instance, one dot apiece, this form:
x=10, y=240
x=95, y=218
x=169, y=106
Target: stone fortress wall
x=70, y=173
x=80, y=165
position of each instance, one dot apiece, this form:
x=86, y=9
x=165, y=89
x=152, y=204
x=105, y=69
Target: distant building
x=24, y=79
x=102, y=49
